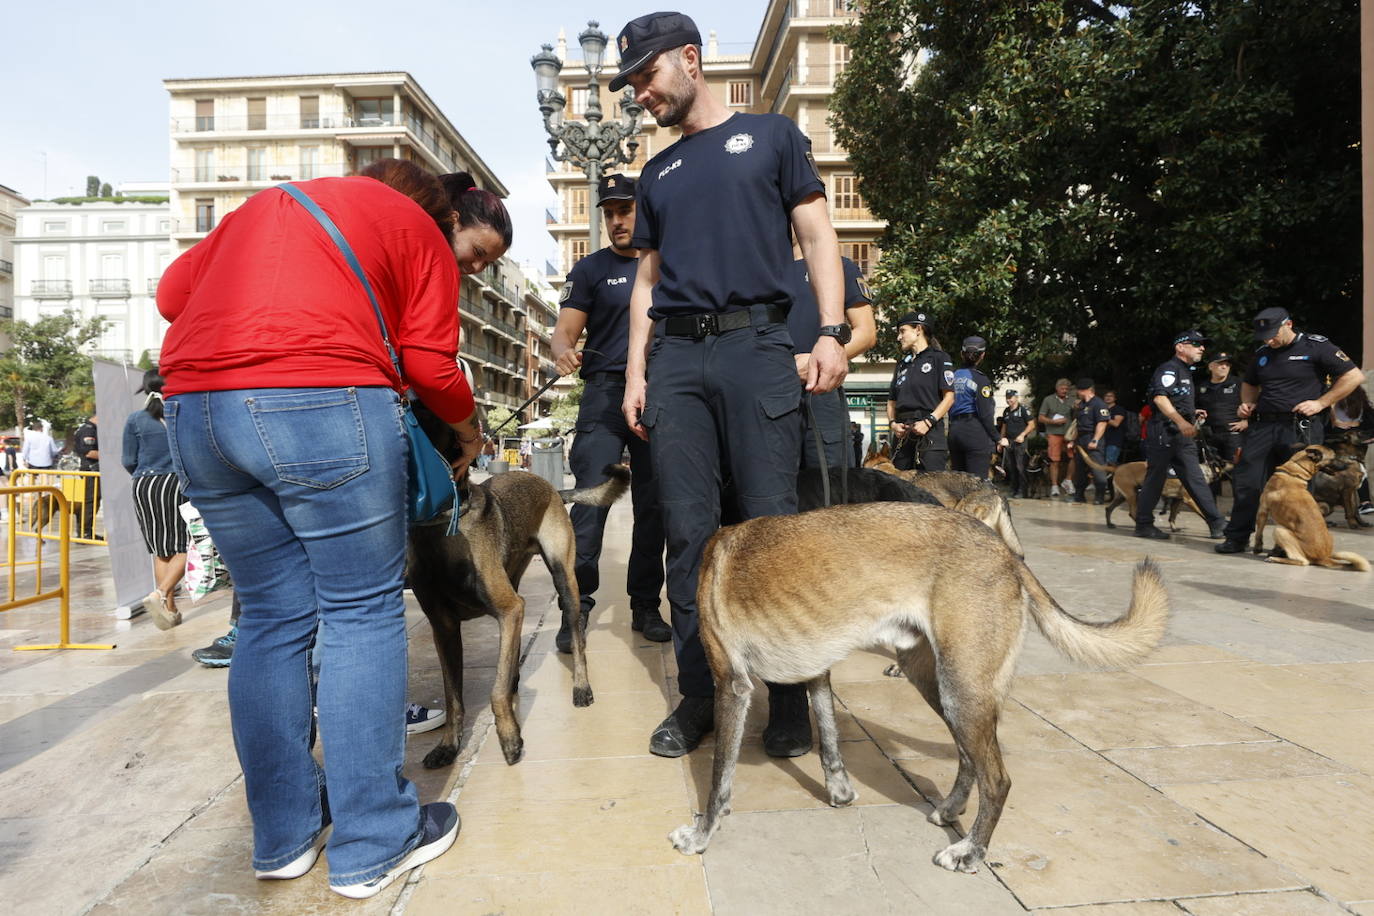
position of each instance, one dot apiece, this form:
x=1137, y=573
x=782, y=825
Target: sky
x=84, y=78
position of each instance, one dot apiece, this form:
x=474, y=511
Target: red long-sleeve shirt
x=266, y=300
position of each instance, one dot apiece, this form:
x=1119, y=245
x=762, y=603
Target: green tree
x=92, y=186
x=46, y=373
x=106, y=190
x=565, y=408
x=1075, y=181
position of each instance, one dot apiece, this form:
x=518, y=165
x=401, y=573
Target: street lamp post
x=591, y=144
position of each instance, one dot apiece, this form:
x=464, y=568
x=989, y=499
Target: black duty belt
x=605, y=378
x=963, y=416
x=711, y=323
x=1275, y=416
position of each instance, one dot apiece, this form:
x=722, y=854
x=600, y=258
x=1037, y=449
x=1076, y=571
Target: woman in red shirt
x=283, y=418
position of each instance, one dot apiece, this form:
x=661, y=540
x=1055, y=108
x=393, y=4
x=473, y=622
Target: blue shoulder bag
x=432, y=490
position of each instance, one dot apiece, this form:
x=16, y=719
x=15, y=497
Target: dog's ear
x=1314, y=454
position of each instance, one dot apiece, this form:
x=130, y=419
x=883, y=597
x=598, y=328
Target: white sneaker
x=423, y=719
x=439, y=823
x=1054, y=490
x=1068, y=488
x=299, y=865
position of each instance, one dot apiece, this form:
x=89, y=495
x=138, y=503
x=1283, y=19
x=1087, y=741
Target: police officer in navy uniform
x=1016, y=425
x=1218, y=399
x=830, y=410
x=1283, y=399
x=712, y=295
x=596, y=298
x=920, y=396
x=1170, y=439
x=1091, y=414
x=87, y=448
x=972, y=435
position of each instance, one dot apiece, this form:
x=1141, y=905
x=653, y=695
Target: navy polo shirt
x=1289, y=375
x=716, y=206
x=1174, y=379
x=1089, y=414
x=600, y=285
x=919, y=382
x=804, y=318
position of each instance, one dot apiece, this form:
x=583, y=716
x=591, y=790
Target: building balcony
x=152, y=287
x=187, y=228
x=290, y=123
x=265, y=175
x=51, y=289
x=109, y=289
x=827, y=9
x=7, y=267
x=550, y=217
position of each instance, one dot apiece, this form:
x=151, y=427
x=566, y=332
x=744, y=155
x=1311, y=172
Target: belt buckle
x=707, y=324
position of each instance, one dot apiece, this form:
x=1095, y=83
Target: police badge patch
x=739, y=143
x=566, y=294
x=1167, y=379
x=925, y=367
x=864, y=289
x=949, y=376
x=985, y=391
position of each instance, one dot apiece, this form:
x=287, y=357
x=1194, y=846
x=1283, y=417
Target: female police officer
x=920, y=396
x=972, y=434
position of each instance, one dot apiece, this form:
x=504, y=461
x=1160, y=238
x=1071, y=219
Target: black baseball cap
x=974, y=343
x=646, y=36
x=1084, y=383
x=615, y=187
x=915, y=318
x=1012, y=393
x=1221, y=357
x=1192, y=336
x=1268, y=322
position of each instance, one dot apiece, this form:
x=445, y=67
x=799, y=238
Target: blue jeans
x=303, y=490
x=1112, y=453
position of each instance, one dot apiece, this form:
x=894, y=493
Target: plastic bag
x=205, y=569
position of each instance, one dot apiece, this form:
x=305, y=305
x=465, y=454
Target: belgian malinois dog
x=1299, y=527
x=936, y=585
x=1126, y=481
x=1342, y=488
x=963, y=492
x=504, y=522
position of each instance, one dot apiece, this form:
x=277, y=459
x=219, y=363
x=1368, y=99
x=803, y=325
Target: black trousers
x=92, y=502
x=731, y=400
x=970, y=449
x=832, y=420
x=1014, y=463
x=1268, y=444
x=1081, y=471
x=602, y=437
x=1165, y=450
x=930, y=452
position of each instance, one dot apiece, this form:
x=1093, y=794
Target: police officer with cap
x=1016, y=425
x=596, y=298
x=1282, y=397
x=920, y=396
x=972, y=435
x=1091, y=416
x=712, y=295
x=1170, y=439
x=1218, y=399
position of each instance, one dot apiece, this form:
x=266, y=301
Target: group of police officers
x=719, y=324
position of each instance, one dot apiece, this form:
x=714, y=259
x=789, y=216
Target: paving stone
x=1160, y=766
x=632, y=891
x=1291, y=903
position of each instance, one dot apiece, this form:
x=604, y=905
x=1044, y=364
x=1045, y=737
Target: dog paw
x=513, y=751
x=840, y=796
x=962, y=856
x=582, y=696
x=688, y=840
x=441, y=756
x=940, y=819
x=894, y=670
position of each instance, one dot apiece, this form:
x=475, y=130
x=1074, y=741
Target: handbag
x=432, y=489
x=205, y=569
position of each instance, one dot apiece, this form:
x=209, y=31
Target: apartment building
x=11, y=202
x=102, y=258
x=790, y=70
x=232, y=137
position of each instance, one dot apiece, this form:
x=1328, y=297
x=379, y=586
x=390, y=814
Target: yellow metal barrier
x=82, y=492
x=55, y=503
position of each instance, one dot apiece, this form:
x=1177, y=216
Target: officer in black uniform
x=712, y=220
x=1218, y=399
x=1016, y=425
x=830, y=410
x=1092, y=416
x=87, y=448
x=596, y=298
x=1283, y=398
x=972, y=435
x=919, y=398
x=1170, y=439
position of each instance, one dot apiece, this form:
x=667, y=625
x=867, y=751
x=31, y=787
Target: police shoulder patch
x=1340, y=354
x=1103, y=412
x=985, y=391
x=567, y=292
x=1167, y=379
x=949, y=376
x=864, y=289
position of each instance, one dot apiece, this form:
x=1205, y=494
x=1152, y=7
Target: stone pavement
x=1231, y=773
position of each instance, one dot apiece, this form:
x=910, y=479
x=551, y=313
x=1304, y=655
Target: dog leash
x=820, y=455
x=546, y=386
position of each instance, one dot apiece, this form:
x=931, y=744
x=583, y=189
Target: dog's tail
x=1353, y=560
x=603, y=494
x=992, y=510
x=1112, y=644
x=1087, y=459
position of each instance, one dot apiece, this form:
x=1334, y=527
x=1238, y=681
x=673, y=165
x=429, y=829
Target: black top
x=1015, y=420
x=919, y=382
x=1116, y=435
x=973, y=397
x=1173, y=378
x=804, y=319
x=1220, y=400
x=1290, y=375
x=717, y=205
x=600, y=285
x=87, y=441
x=1089, y=414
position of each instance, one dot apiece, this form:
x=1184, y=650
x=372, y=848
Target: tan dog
x=963, y=492
x=932, y=583
x=1299, y=527
x=1126, y=481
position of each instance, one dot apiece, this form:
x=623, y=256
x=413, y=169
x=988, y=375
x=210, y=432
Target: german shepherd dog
x=963, y=492
x=1299, y=527
x=1036, y=484
x=1342, y=488
x=935, y=584
x=504, y=522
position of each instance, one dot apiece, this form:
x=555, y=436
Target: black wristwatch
x=841, y=332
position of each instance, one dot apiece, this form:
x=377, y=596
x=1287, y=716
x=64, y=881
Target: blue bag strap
x=323, y=219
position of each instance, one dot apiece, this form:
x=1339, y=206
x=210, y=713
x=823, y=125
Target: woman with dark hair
x=157, y=500
x=283, y=413
x=483, y=230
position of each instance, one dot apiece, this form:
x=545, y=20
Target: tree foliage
x=92, y=186
x=46, y=373
x=1076, y=182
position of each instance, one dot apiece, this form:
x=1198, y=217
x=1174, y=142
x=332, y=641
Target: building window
x=310, y=111
x=864, y=254
x=205, y=165
x=257, y=164
x=164, y=225
x=848, y=203
x=375, y=112
x=310, y=162
x=257, y=114
x=205, y=214
x=840, y=55
x=54, y=226
x=577, y=204
x=578, y=249
x=367, y=155
x=54, y=267
x=112, y=225
x=579, y=101
x=741, y=93
x=205, y=114
x=111, y=266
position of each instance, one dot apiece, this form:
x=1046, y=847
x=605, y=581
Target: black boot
x=788, y=733
x=564, y=638
x=1230, y=545
x=648, y=621
x=682, y=731
x=1152, y=532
